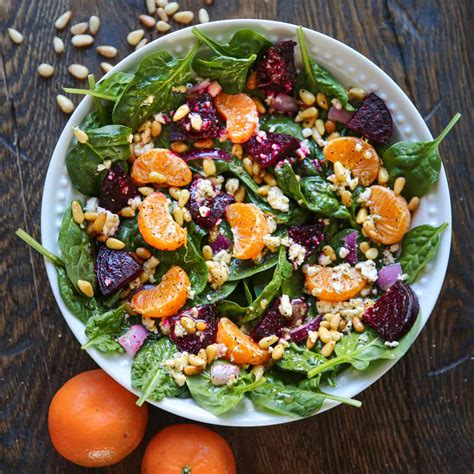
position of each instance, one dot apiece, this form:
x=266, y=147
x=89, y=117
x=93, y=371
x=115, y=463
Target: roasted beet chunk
x=116, y=189
x=202, y=120
x=192, y=343
x=275, y=319
x=269, y=148
x=394, y=313
x=115, y=269
x=207, y=205
x=308, y=236
x=373, y=120
x=277, y=71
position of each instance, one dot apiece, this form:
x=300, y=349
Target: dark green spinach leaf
x=240, y=269
x=300, y=359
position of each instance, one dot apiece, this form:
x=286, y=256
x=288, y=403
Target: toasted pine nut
x=65, y=104
x=100, y=222
x=372, y=253
x=162, y=15
x=204, y=143
x=147, y=21
x=79, y=28
x=239, y=195
x=346, y=198
x=383, y=176
x=207, y=252
x=196, y=361
x=414, y=203
x=174, y=192
x=268, y=341
x=141, y=43
x=114, y=244
x=237, y=151
x=361, y=215
x=192, y=370
x=342, y=325
x=179, y=147
x=80, y=135
x=86, y=288
x=329, y=251
x=278, y=352
x=252, y=81
x=335, y=335
x=330, y=126
x=260, y=107
x=62, y=21
x=322, y=101
x=258, y=371
x=107, y=51
x=144, y=277
x=364, y=246
x=106, y=67
x=90, y=216
x=187, y=215
x=357, y=93
x=181, y=112
x=340, y=171
x=269, y=179
x=357, y=324
x=178, y=215
x=310, y=343
x=143, y=253
x=134, y=37
x=94, y=24
x=209, y=167
x=151, y=6
x=184, y=17
x=307, y=97
x=101, y=238
x=58, y=45
x=127, y=211
x=171, y=8
x=77, y=213
x=256, y=169
x=328, y=348
x=263, y=190
x=155, y=129
x=145, y=190
x=189, y=324
x=78, y=71
x=184, y=196
x=162, y=26
x=334, y=323
x=211, y=351
x=201, y=326
x=324, y=334
x=368, y=226
x=203, y=15
x=45, y=70
x=399, y=185
x=324, y=324
x=320, y=127
x=308, y=113
x=248, y=165
x=81, y=41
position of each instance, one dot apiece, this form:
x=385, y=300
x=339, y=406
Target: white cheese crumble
x=223, y=256
x=112, y=222
x=324, y=260
x=135, y=202
x=307, y=132
x=296, y=253
x=149, y=100
x=271, y=242
x=368, y=270
x=196, y=121
x=104, y=166
x=285, y=307
x=91, y=205
x=392, y=344
x=271, y=223
x=364, y=196
x=204, y=211
x=387, y=257
x=204, y=189
x=343, y=252
x=347, y=309
x=278, y=200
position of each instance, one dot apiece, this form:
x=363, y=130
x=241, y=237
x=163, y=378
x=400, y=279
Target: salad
x=245, y=230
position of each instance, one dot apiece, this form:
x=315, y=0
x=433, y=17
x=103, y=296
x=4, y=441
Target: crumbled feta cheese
x=231, y=185
x=271, y=223
x=296, y=253
x=223, y=256
x=104, y=166
x=196, y=121
x=140, y=148
x=135, y=202
x=286, y=241
x=278, y=200
x=392, y=344
x=324, y=260
x=205, y=189
x=285, y=307
x=150, y=324
x=313, y=336
x=364, y=196
x=343, y=252
x=347, y=309
x=337, y=104
x=204, y=211
x=179, y=330
x=307, y=132
x=149, y=100
x=368, y=270
x=387, y=257
x=112, y=222
x=91, y=205
x=160, y=118
x=402, y=277
x=190, y=293
x=394, y=248
x=273, y=243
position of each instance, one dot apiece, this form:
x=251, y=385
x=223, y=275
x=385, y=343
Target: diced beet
x=269, y=148
x=192, y=343
x=308, y=236
x=221, y=243
x=206, y=211
x=116, y=189
x=394, y=313
x=115, y=269
x=273, y=322
x=299, y=333
x=373, y=120
x=201, y=107
x=277, y=71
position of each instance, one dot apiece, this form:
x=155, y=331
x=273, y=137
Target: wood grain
x=418, y=418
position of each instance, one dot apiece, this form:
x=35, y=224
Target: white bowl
x=352, y=69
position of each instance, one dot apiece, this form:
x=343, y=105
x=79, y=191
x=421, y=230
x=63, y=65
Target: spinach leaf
x=240, y=269
x=288, y=183
x=230, y=309
x=247, y=292
x=115, y=84
x=418, y=162
x=317, y=79
x=337, y=241
x=300, y=359
x=209, y=295
x=219, y=399
x=92, y=120
x=294, y=286
x=129, y=234
x=77, y=251
x=261, y=280
x=99, y=108
x=104, y=329
x=149, y=373
x=151, y=89
x=418, y=248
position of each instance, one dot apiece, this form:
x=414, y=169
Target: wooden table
x=418, y=418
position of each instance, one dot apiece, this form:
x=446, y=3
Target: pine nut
x=340, y=171
x=334, y=323
x=94, y=24
x=278, y=352
x=147, y=21
x=324, y=334
x=201, y=326
x=324, y=324
x=64, y=103
x=307, y=97
x=114, y=244
x=204, y=143
x=361, y=215
x=269, y=179
x=162, y=26
x=383, y=176
x=162, y=15
x=237, y=151
x=151, y=6
x=207, y=252
x=260, y=107
x=335, y=335
x=143, y=253
x=78, y=71
x=414, y=203
x=80, y=135
x=101, y=238
x=346, y=198
x=310, y=342
x=322, y=101
x=77, y=213
x=15, y=36
x=171, y=8
x=211, y=352
x=256, y=169
x=142, y=43
x=192, y=370
x=364, y=246
x=100, y=222
x=188, y=324
x=357, y=93
x=368, y=226
x=309, y=123
x=81, y=41
x=342, y=325
x=320, y=126
x=329, y=251
x=146, y=190
x=258, y=371
x=62, y=21
x=184, y=196
x=161, y=3
x=263, y=190
x=155, y=129
x=58, y=45
x=187, y=215
x=106, y=67
x=156, y=177
x=330, y=126
x=178, y=215
x=258, y=179
x=45, y=70
x=357, y=325
x=79, y=28
x=86, y=288
x=209, y=167
x=268, y=341
x=239, y=195
x=134, y=37
x=328, y=348
x=196, y=361
x=248, y=165
x=181, y=112
x=372, y=253
x=203, y=15
x=184, y=18
x=107, y=51
x=202, y=352
x=310, y=112
x=252, y=81
x=399, y=185
x=174, y=192
x=90, y=216
x=144, y=126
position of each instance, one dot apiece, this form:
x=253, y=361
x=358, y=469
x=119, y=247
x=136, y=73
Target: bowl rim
x=193, y=411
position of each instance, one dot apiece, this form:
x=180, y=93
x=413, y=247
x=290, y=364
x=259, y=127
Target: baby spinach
x=151, y=89
x=300, y=359
x=219, y=399
x=129, y=234
x=103, y=330
x=418, y=248
x=209, y=295
x=418, y=162
x=77, y=251
x=317, y=79
x=149, y=373
x=115, y=84
x=240, y=269
x=288, y=183
x=231, y=309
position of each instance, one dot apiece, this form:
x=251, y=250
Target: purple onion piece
x=339, y=115
x=221, y=243
x=222, y=374
x=208, y=153
x=133, y=339
x=301, y=332
x=284, y=103
x=388, y=275
x=350, y=243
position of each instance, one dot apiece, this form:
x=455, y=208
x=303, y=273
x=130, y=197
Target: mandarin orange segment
x=249, y=227
x=156, y=225
x=167, y=298
x=339, y=283
x=355, y=154
x=241, y=349
x=241, y=115
x=389, y=218
x=161, y=166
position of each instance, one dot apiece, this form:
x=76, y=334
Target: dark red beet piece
x=192, y=343
x=206, y=211
x=273, y=322
x=373, y=120
x=116, y=189
x=394, y=313
x=308, y=236
x=202, y=105
x=115, y=269
x=277, y=71
x=269, y=148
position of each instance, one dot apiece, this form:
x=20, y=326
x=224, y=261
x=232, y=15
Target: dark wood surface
x=418, y=418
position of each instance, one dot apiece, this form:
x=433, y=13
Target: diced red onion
x=200, y=87
x=214, y=88
x=284, y=103
x=221, y=243
x=339, y=115
x=208, y=153
x=301, y=332
x=133, y=339
x=388, y=275
x=222, y=374
x=350, y=243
